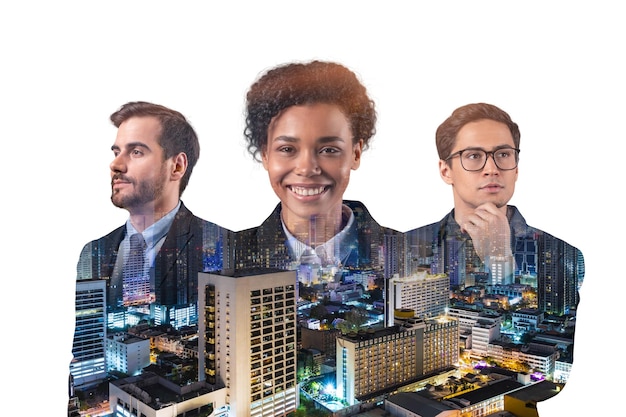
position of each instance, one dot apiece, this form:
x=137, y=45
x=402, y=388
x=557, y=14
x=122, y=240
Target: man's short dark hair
x=177, y=135
x=296, y=84
x=445, y=137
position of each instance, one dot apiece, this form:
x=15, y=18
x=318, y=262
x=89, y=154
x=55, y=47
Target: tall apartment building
x=427, y=295
x=374, y=361
x=88, y=365
x=392, y=255
x=451, y=259
x=441, y=344
x=557, y=275
x=525, y=256
x=247, y=343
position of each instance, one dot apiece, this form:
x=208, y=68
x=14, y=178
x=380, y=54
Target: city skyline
x=563, y=81
x=375, y=296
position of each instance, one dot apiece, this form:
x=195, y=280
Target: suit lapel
x=176, y=242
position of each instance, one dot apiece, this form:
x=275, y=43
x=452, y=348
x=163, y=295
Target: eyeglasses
x=475, y=159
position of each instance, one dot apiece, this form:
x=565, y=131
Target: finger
x=490, y=208
x=479, y=220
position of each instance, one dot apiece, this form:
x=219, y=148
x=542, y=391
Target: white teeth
x=307, y=191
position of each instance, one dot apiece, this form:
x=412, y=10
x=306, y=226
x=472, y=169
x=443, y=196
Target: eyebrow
x=323, y=139
x=131, y=145
x=495, y=148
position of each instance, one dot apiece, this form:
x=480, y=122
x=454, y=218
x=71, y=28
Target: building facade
x=247, y=340
x=89, y=363
x=427, y=295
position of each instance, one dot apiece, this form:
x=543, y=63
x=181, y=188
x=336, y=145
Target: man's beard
x=144, y=192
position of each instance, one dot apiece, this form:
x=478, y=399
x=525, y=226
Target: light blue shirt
x=154, y=235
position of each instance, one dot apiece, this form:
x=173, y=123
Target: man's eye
x=504, y=153
x=136, y=152
x=473, y=155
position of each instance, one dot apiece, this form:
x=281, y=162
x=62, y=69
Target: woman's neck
x=318, y=229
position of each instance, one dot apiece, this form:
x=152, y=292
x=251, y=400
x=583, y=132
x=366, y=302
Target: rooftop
x=537, y=392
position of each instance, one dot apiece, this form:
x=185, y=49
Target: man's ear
x=357, y=150
x=445, y=172
x=179, y=166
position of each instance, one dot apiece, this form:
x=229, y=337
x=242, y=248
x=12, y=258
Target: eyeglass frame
x=492, y=153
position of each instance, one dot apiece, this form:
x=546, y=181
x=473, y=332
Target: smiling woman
x=310, y=123
x=309, y=156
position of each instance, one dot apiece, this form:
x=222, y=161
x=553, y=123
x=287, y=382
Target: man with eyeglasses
x=485, y=245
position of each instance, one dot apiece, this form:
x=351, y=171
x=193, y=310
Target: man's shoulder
x=114, y=236
x=431, y=227
x=536, y=233
x=185, y=217
x=104, y=248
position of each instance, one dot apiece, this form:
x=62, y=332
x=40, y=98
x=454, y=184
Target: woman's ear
x=357, y=150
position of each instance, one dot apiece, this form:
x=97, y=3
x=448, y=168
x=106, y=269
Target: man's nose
x=307, y=164
x=490, y=165
x=118, y=164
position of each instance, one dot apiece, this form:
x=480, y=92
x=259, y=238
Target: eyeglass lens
x=476, y=159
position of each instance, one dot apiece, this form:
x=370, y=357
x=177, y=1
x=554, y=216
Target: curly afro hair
x=296, y=84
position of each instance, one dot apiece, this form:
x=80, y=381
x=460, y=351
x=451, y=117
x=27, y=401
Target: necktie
x=136, y=284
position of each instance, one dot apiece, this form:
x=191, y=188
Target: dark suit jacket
x=559, y=266
x=266, y=246
x=191, y=245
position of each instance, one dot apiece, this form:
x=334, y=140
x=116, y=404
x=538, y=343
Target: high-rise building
x=247, y=343
x=88, y=365
x=427, y=295
x=441, y=344
x=557, y=275
x=451, y=258
x=525, y=256
x=393, y=261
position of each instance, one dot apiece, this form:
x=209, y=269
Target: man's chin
x=120, y=201
x=117, y=202
x=499, y=203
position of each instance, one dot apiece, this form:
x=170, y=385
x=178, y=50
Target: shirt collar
x=157, y=231
x=337, y=249
x=449, y=226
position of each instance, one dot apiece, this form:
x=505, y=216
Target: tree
x=356, y=317
x=318, y=312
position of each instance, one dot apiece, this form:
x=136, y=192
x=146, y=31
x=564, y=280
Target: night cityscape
x=389, y=322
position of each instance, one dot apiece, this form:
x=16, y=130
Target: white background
x=556, y=67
